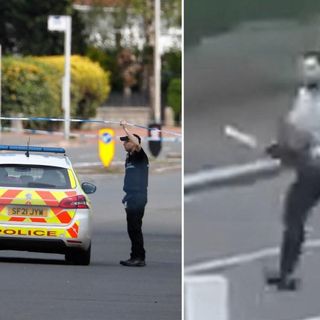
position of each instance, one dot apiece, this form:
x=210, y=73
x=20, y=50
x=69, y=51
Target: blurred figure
x=298, y=145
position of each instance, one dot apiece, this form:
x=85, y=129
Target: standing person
x=135, y=186
x=299, y=145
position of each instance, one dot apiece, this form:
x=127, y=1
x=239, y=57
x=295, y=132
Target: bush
x=32, y=87
x=29, y=89
x=171, y=67
x=108, y=61
x=90, y=85
x=174, y=97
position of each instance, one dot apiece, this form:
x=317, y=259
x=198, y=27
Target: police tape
x=89, y=121
x=84, y=135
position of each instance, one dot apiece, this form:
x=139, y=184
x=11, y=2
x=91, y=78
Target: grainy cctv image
x=252, y=164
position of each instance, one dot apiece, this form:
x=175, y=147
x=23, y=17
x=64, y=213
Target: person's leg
x=301, y=197
x=293, y=237
x=129, y=230
x=134, y=224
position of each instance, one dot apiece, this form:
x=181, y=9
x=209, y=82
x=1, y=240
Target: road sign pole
x=67, y=77
x=155, y=135
x=0, y=90
x=157, y=64
x=63, y=24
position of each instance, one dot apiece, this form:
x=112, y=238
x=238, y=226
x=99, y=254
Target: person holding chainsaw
x=298, y=146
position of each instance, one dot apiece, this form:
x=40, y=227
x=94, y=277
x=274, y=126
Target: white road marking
x=206, y=177
x=94, y=164
x=189, y=198
x=241, y=258
x=168, y=168
x=86, y=164
x=200, y=296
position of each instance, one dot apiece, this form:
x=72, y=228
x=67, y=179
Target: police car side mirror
x=88, y=187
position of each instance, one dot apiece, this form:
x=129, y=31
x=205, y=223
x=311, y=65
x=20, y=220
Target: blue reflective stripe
x=31, y=148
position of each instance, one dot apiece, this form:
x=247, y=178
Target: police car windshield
x=33, y=176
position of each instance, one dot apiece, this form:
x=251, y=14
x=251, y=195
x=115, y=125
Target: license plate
x=28, y=211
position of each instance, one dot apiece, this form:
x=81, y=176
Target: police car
x=43, y=206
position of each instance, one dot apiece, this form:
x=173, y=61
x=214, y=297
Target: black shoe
x=133, y=262
x=283, y=282
x=273, y=280
x=288, y=284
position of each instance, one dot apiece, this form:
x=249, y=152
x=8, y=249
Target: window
x=32, y=176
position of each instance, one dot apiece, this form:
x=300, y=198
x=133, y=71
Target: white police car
x=43, y=206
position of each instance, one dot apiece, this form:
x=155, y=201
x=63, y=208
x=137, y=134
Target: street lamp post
x=157, y=63
x=63, y=24
x=155, y=142
x=0, y=91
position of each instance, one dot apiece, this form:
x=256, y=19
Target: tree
x=171, y=11
x=130, y=68
x=23, y=27
x=124, y=15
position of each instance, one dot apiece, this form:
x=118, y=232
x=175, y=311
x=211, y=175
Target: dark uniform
x=135, y=200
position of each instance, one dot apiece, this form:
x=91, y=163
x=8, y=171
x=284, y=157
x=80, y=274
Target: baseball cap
x=126, y=138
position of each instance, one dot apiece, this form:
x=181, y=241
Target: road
x=244, y=223
x=42, y=286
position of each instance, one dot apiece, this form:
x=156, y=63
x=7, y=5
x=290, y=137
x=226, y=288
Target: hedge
x=32, y=87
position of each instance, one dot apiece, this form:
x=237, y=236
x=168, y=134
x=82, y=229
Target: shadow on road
x=32, y=261
x=39, y=261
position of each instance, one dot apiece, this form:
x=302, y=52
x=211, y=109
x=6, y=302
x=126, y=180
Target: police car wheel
x=78, y=256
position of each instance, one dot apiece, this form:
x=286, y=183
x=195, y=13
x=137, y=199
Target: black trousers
x=135, y=207
x=302, y=195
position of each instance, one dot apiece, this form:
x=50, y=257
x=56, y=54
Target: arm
x=294, y=137
x=292, y=145
x=131, y=137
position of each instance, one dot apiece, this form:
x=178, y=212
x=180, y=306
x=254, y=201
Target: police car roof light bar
x=32, y=149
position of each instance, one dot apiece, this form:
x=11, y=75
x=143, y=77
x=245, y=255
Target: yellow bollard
x=106, y=146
